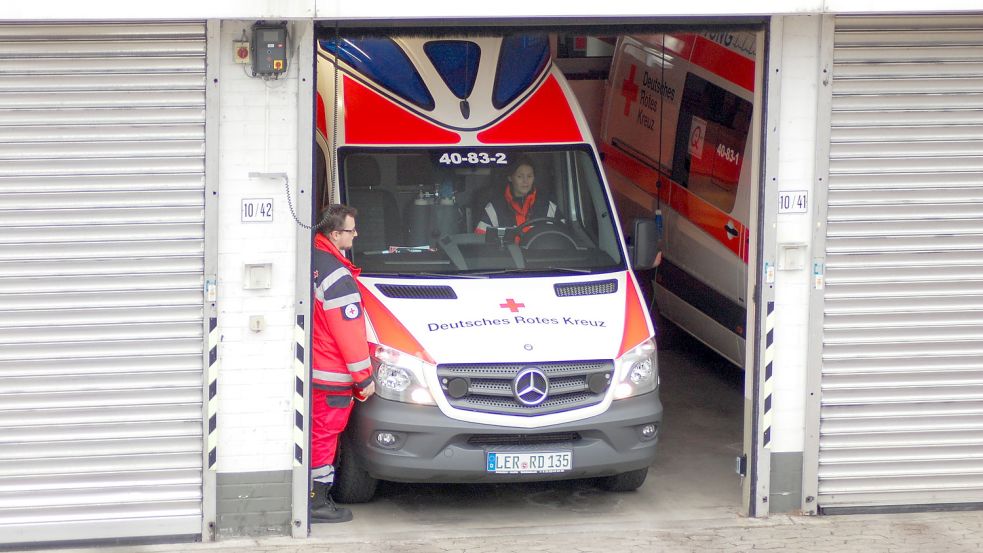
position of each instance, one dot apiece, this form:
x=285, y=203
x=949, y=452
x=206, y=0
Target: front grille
x=489, y=386
x=523, y=439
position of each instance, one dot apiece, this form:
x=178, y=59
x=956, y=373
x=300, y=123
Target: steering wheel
x=544, y=233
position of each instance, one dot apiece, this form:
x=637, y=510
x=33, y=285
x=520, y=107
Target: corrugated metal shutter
x=101, y=275
x=902, y=381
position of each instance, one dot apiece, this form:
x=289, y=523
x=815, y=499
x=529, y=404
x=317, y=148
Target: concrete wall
x=796, y=117
x=258, y=134
x=797, y=161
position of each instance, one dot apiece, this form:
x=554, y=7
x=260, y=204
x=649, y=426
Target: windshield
x=479, y=211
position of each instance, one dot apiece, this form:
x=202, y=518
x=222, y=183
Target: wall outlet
x=257, y=323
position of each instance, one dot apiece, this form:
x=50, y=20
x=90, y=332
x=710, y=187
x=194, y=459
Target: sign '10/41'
x=793, y=201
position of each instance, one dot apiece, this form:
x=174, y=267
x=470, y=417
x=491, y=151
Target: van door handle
x=731, y=229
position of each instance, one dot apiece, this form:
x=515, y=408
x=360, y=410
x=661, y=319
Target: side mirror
x=647, y=237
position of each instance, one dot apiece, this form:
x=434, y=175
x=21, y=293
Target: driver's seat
x=379, y=222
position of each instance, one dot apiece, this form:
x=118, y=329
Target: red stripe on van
x=709, y=218
x=701, y=213
x=681, y=44
x=642, y=175
x=387, y=327
x=637, y=327
x=545, y=117
x=724, y=62
x=370, y=118
x=322, y=119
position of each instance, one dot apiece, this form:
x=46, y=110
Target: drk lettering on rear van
x=656, y=85
x=743, y=43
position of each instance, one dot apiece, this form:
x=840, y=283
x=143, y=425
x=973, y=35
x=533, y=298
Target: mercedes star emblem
x=530, y=387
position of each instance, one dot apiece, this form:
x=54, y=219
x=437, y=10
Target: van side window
x=710, y=138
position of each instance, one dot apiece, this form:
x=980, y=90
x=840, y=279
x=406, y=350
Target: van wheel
x=624, y=482
x=352, y=483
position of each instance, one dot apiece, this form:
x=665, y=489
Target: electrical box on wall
x=269, y=49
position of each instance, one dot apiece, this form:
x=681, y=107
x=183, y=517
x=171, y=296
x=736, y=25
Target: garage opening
x=667, y=114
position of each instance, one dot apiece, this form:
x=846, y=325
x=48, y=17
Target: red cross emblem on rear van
x=511, y=305
x=629, y=90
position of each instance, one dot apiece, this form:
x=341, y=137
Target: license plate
x=516, y=462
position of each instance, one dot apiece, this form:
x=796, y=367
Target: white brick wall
x=257, y=134
x=796, y=165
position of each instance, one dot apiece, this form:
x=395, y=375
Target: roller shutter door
x=902, y=381
x=101, y=275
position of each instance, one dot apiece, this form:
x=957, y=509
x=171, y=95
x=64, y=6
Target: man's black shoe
x=323, y=508
x=330, y=513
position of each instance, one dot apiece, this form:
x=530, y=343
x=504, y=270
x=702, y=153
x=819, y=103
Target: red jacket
x=340, y=350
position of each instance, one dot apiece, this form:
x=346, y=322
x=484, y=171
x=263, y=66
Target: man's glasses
x=351, y=230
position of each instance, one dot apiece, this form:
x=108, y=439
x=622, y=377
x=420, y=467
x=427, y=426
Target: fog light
x=649, y=430
x=387, y=440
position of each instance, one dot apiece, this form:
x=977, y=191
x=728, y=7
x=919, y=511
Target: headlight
x=637, y=370
x=399, y=376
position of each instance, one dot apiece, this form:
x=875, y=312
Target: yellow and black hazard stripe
x=212, y=443
x=768, y=385
x=300, y=405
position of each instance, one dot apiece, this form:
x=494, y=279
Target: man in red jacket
x=340, y=360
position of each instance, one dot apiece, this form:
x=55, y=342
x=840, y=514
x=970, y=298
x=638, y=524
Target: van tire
x=352, y=483
x=624, y=482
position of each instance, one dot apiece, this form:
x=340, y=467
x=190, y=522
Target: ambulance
x=523, y=353
x=675, y=141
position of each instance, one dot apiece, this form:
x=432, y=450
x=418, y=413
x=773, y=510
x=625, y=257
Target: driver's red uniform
x=506, y=211
x=340, y=353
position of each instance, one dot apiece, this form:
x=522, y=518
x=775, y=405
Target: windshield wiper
x=434, y=275
x=527, y=270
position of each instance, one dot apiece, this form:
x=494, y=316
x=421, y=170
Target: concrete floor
x=692, y=478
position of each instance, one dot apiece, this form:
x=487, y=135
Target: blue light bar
x=522, y=60
x=384, y=62
x=457, y=63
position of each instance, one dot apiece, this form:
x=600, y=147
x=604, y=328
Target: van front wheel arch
x=624, y=482
x=352, y=483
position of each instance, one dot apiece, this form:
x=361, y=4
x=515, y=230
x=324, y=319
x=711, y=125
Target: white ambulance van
x=520, y=353
x=675, y=139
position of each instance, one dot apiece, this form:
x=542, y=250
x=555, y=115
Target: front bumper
x=434, y=448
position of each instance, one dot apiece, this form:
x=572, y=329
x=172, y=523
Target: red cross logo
x=511, y=305
x=629, y=90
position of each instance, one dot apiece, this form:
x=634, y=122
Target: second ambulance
x=675, y=138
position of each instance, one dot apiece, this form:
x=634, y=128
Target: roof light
x=384, y=62
x=457, y=63
x=520, y=63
